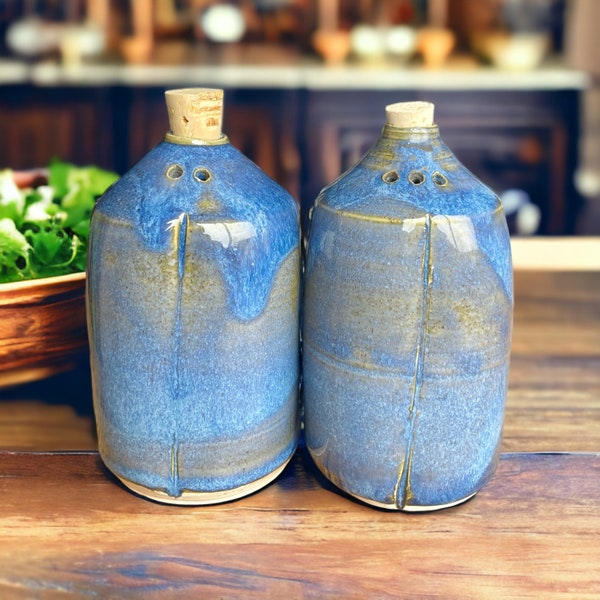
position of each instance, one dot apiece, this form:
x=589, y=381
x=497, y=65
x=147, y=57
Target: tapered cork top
x=195, y=113
x=410, y=114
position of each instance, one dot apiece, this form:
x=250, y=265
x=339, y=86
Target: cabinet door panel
x=521, y=140
x=39, y=124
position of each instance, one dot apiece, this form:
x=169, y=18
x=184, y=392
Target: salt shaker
x=193, y=310
x=407, y=322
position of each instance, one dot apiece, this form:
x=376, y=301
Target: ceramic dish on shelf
x=43, y=327
x=512, y=52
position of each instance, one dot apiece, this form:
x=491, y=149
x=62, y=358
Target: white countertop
x=294, y=73
x=556, y=253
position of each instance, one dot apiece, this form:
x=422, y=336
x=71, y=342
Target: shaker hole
x=416, y=177
x=439, y=179
x=201, y=174
x=174, y=172
x=390, y=177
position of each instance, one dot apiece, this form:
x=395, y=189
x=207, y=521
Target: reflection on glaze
x=226, y=234
x=459, y=231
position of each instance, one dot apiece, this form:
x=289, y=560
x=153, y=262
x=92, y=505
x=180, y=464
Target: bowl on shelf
x=332, y=45
x=512, y=51
x=43, y=328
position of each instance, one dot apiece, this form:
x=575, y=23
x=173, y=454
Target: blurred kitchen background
x=516, y=85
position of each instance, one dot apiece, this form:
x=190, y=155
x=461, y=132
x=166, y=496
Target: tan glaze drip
x=383, y=153
x=175, y=460
x=349, y=214
x=420, y=137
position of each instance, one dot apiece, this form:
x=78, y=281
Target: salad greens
x=44, y=230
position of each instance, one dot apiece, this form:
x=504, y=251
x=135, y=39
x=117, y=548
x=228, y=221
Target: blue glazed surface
x=193, y=289
x=407, y=326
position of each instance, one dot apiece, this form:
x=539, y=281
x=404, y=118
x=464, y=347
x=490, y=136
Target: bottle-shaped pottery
x=193, y=316
x=407, y=322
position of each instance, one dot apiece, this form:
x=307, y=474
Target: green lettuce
x=44, y=231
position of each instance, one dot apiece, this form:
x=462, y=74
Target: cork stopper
x=195, y=113
x=409, y=114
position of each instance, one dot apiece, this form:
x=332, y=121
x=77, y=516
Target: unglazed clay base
x=413, y=508
x=191, y=498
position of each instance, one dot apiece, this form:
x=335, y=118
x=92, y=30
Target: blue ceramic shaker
x=192, y=298
x=407, y=322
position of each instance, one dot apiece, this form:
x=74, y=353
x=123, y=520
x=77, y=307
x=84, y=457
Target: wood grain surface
x=553, y=400
x=68, y=529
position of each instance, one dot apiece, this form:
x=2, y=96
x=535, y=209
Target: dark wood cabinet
x=38, y=124
x=114, y=127
x=511, y=140
x=304, y=138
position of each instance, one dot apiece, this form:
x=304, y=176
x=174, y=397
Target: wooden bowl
x=43, y=327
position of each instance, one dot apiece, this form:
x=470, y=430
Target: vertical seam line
x=181, y=252
x=402, y=491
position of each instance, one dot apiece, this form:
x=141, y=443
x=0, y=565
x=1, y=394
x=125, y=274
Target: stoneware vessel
x=407, y=322
x=193, y=290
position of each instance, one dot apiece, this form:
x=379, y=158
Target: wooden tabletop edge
x=567, y=253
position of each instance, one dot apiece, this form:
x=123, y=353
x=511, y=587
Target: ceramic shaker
x=407, y=322
x=193, y=309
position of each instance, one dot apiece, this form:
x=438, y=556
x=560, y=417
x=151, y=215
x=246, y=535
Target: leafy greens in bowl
x=44, y=229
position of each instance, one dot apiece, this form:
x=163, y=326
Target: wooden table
x=69, y=530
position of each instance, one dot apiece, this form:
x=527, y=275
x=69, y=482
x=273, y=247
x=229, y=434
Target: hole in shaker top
x=201, y=174
x=416, y=177
x=439, y=179
x=390, y=177
x=174, y=171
